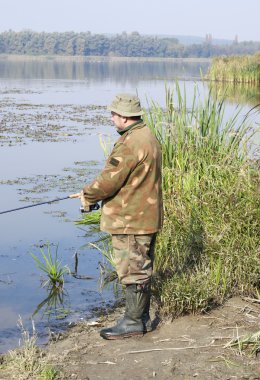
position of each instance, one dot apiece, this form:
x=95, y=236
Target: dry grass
x=28, y=361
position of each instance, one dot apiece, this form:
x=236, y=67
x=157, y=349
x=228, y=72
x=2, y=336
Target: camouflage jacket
x=130, y=185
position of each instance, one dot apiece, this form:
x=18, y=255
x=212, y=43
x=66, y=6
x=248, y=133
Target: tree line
x=122, y=45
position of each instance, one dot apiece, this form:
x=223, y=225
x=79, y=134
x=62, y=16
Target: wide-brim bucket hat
x=126, y=105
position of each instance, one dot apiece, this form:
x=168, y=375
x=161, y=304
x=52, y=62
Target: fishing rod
x=91, y=207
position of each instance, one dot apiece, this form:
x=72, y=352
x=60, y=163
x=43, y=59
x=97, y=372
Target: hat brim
x=123, y=113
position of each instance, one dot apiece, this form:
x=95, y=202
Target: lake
x=52, y=115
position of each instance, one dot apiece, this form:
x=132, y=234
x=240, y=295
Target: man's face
x=118, y=120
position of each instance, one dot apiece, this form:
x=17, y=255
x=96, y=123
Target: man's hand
x=76, y=195
x=85, y=204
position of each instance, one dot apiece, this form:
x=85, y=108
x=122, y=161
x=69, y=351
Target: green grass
x=249, y=343
x=237, y=69
x=51, y=266
x=208, y=249
x=49, y=373
x=90, y=218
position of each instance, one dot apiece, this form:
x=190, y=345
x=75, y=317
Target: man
x=130, y=189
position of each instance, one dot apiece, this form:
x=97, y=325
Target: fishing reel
x=90, y=208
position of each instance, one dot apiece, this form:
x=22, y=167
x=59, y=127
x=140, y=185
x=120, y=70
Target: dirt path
x=190, y=347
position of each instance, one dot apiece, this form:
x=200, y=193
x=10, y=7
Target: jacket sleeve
x=119, y=165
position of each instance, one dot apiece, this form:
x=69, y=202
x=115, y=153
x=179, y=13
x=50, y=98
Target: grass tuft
x=28, y=361
x=51, y=266
x=249, y=343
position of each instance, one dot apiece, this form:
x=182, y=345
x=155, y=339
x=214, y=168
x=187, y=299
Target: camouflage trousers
x=133, y=257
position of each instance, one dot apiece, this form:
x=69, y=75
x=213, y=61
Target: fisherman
x=129, y=187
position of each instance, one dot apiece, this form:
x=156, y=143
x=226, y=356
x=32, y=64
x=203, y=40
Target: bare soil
x=190, y=347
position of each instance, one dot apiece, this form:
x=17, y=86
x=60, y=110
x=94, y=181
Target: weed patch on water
x=23, y=123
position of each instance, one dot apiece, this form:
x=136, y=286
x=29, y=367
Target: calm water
x=51, y=117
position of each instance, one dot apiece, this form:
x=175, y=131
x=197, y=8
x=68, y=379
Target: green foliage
x=52, y=267
x=245, y=69
x=85, y=44
x=55, y=300
x=104, y=246
x=49, y=373
x=208, y=249
x=107, y=269
x=120, y=45
x=90, y=218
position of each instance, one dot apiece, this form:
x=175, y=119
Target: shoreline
x=191, y=346
x=79, y=58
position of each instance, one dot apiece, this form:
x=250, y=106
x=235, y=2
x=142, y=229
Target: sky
x=220, y=18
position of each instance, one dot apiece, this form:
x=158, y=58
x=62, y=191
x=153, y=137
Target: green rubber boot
x=146, y=314
x=131, y=324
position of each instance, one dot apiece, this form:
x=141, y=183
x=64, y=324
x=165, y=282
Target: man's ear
x=125, y=119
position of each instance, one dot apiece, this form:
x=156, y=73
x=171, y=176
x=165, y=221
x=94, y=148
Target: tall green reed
x=208, y=249
x=236, y=69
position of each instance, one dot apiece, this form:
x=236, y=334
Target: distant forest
x=122, y=45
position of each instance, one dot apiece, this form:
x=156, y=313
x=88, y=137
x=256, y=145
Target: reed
x=51, y=266
x=236, y=69
x=91, y=218
x=208, y=249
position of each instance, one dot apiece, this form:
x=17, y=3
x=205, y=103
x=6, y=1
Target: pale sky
x=221, y=18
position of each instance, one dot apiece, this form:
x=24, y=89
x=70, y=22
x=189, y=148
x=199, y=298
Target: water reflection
x=237, y=93
x=56, y=304
x=117, y=71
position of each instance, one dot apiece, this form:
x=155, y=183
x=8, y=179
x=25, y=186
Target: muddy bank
x=189, y=347
x=186, y=348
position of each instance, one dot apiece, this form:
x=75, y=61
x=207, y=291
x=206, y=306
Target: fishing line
x=93, y=207
x=34, y=205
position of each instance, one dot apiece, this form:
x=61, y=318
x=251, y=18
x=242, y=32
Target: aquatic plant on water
x=51, y=266
x=54, y=304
